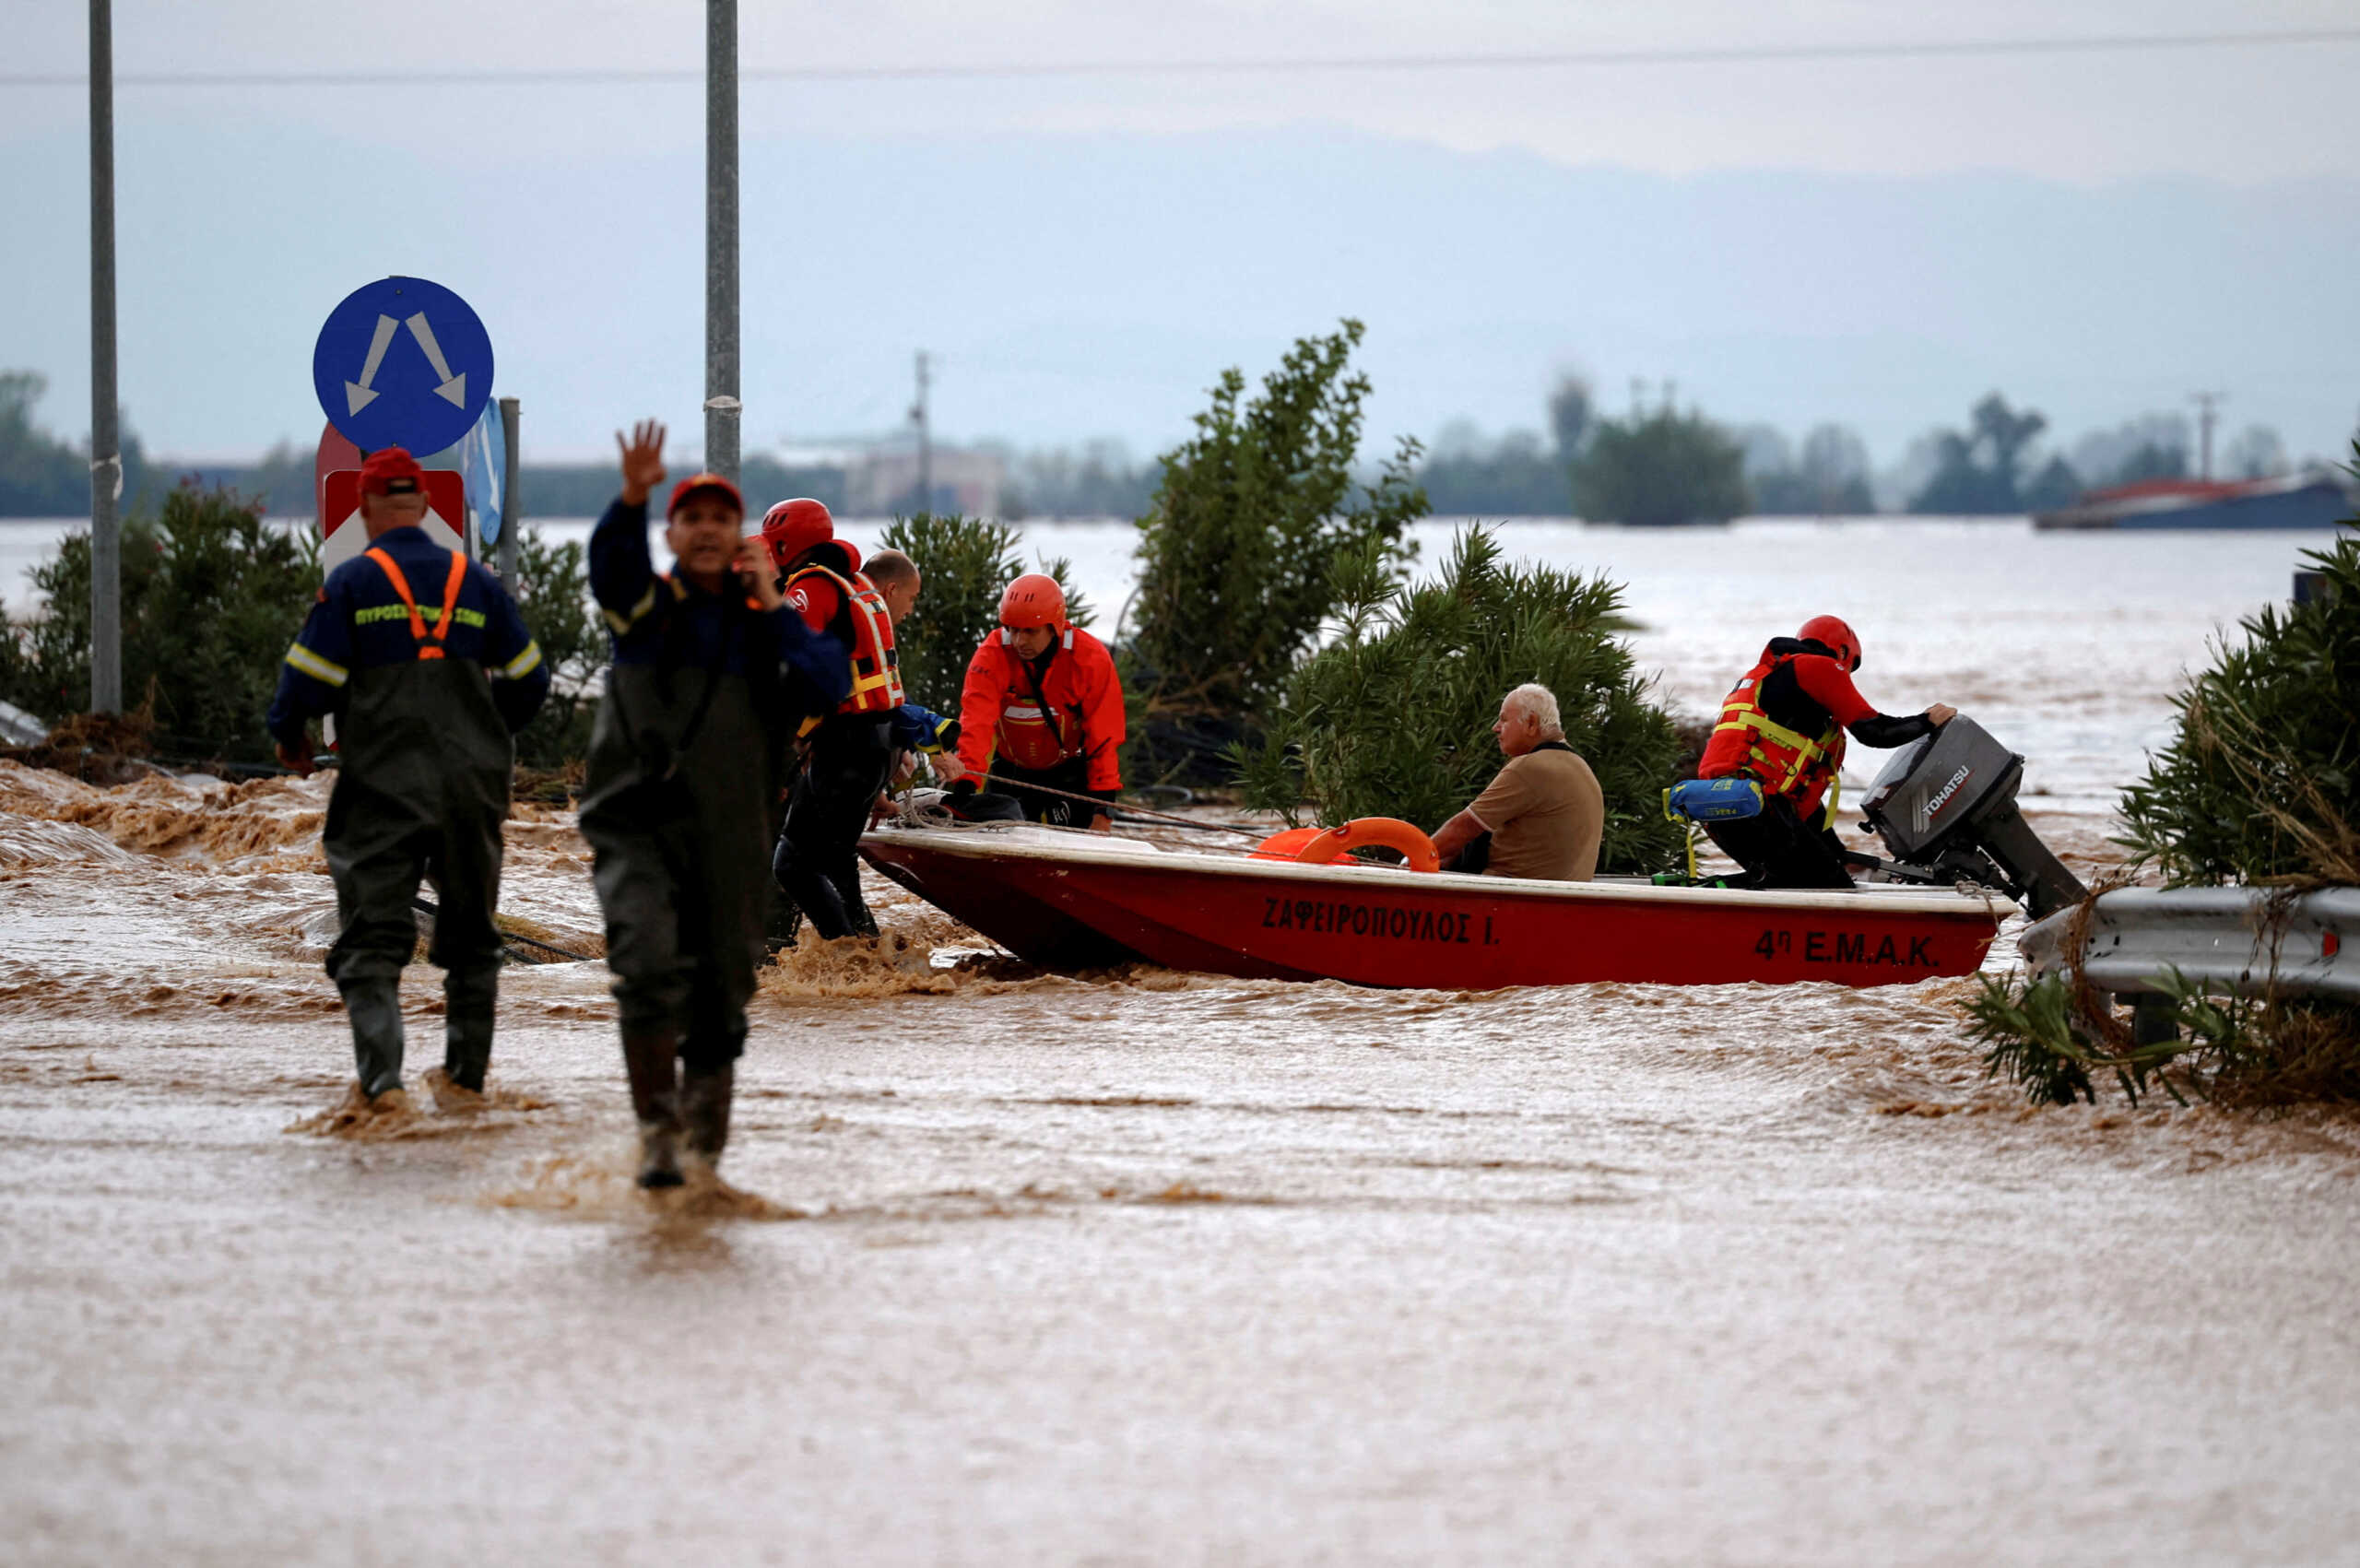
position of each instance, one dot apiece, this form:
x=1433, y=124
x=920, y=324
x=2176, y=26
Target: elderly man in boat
x=1542, y=814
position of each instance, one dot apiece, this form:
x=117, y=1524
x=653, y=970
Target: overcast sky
x=245, y=164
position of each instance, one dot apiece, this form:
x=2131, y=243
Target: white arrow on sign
x=453, y=389
x=357, y=393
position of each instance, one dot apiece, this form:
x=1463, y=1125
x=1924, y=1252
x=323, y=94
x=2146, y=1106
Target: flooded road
x=1140, y=1267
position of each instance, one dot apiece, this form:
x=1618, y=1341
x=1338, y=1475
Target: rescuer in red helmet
x=1043, y=708
x=1783, y=727
x=816, y=862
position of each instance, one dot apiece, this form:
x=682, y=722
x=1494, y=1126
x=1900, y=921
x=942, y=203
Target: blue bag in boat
x=1713, y=800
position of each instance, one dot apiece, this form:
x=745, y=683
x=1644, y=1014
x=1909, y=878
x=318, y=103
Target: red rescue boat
x=1070, y=899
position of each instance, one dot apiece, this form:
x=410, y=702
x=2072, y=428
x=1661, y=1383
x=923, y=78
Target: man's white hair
x=1538, y=701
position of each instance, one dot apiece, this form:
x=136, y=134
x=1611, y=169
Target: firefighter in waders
x=1043, y=710
x=710, y=673
x=430, y=672
x=851, y=750
x=1784, y=727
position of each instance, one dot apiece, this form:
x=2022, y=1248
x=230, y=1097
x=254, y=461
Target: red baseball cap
x=392, y=471
x=696, y=482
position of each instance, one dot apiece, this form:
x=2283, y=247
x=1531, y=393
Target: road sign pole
x=511, y=489
x=722, y=409
x=106, y=441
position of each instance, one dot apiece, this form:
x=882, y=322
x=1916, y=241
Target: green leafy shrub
x=1393, y=718
x=2261, y=780
x=211, y=597
x=552, y=592
x=964, y=562
x=1237, y=552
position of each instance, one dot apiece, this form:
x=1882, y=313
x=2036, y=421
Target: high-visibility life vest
x=1032, y=734
x=430, y=643
x=1783, y=761
x=862, y=624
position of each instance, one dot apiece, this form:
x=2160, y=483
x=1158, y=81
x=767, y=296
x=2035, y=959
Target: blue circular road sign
x=403, y=363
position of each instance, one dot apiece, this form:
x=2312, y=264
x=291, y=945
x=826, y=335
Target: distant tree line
x=1665, y=466
x=1099, y=481
x=1659, y=465
x=41, y=476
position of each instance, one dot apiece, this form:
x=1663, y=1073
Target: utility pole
x=722, y=409
x=512, y=504
x=106, y=439
x=2207, y=413
x=926, y=440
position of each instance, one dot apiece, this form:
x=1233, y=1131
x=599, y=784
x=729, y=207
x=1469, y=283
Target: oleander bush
x=1238, y=552
x=211, y=595
x=552, y=593
x=964, y=562
x=1393, y=717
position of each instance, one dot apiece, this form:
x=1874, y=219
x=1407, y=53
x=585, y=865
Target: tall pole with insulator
x=722, y=409
x=918, y=417
x=106, y=439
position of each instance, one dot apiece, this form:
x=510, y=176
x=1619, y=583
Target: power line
x=1934, y=49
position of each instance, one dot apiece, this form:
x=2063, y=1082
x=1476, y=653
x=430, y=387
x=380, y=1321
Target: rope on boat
x=1256, y=834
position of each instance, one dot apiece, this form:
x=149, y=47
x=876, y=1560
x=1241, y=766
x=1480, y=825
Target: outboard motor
x=1945, y=806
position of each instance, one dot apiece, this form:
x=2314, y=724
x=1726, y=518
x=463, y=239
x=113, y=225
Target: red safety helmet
x=792, y=526
x=1830, y=633
x=1034, y=599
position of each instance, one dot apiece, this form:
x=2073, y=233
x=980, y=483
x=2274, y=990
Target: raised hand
x=643, y=460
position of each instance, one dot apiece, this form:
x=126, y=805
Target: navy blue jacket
x=360, y=622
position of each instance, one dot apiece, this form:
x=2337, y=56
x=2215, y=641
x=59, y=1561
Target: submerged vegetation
x=1393, y=717
x=2260, y=787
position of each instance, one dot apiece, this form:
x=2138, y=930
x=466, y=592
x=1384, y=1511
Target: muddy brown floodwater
x=1135, y=1269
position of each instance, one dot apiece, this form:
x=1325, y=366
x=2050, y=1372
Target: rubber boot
x=705, y=1094
x=374, y=1008
x=651, y=1064
x=470, y=997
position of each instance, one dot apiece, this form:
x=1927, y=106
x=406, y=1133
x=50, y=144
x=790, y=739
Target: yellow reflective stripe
x=1755, y=720
x=433, y=614
x=1806, y=750
x=523, y=664
x=871, y=683
x=625, y=623
x=318, y=669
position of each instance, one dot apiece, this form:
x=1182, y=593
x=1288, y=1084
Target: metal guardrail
x=2229, y=939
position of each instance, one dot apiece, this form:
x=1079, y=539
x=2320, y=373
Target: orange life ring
x=1285, y=844
x=1360, y=832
